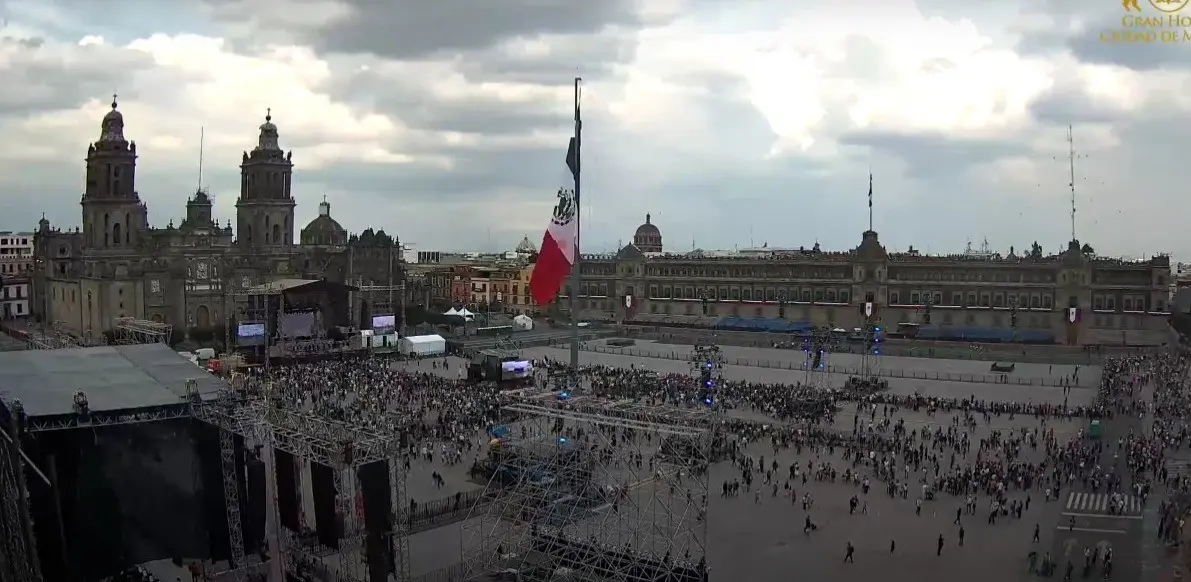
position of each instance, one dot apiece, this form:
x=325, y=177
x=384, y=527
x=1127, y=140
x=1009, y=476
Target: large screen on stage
x=297, y=324
x=515, y=370
x=384, y=321
x=250, y=334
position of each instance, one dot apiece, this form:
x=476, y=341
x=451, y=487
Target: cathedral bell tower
x=265, y=208
x=113, y=214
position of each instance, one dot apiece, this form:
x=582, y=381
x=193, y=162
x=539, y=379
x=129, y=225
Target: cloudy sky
x=732, y=123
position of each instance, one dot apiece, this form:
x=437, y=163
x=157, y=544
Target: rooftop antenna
x=1071, y=166
x=202, y=137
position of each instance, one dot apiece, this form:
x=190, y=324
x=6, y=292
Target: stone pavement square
x=764, y=541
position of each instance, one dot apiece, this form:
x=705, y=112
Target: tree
x=1087, y=249
x=1035, y=250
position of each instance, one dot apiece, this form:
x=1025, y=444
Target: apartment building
x=16, y=253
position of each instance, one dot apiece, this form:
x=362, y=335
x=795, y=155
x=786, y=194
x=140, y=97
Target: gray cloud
x=929, y=155
x=412, y=29
x=40, y=77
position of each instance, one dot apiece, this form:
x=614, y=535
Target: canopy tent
x=523, y=322
x=465, y=314
x=451, y=311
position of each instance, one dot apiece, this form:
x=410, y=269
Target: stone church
x=187, y=274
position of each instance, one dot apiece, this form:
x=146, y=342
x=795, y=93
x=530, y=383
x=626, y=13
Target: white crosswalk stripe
x=1080, y=502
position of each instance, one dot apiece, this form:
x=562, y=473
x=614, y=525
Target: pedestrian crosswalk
x=1104, y=503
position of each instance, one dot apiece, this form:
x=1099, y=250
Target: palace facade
x=117, y=265
x=1072, y=297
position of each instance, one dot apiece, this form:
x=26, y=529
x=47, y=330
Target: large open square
x=758, y=533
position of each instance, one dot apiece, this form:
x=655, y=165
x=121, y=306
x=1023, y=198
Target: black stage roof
x=114, y=378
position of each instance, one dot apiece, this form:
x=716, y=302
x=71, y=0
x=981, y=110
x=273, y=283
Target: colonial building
x=187, y=275
x=1072, y=297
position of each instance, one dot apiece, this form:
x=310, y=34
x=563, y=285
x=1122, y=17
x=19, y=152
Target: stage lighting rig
x=707, y=362
x=81, y=408
x=817, y=347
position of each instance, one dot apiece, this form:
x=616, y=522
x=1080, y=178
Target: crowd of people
x=856, y=436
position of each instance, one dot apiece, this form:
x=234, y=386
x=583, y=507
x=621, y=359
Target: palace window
x=971, y=300
x=894, y=298
x=806, y=295
x=831, y=295
x=843, y=296
x=818, y=294
x=746, y=294
x=1035, y=302
x=1047, y=302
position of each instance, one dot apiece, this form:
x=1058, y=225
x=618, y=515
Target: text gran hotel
x=1165, y=29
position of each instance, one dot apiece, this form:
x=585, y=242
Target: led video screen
x=384, y=321
x=297, y=324
x=250, y=334
x=515, y=370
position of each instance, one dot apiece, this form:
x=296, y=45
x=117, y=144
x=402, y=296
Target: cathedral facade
x=189, y=274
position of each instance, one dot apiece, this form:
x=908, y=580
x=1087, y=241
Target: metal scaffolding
x=130, y=330
x=607, y=491
x=18, y=547
x=310, y=439
x=818, y=347
x=246, y=311
x=53, y=338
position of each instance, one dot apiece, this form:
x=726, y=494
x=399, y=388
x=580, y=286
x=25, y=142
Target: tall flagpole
x=575, y=278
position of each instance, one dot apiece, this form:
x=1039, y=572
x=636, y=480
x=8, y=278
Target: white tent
x=465, y=314
x=451, y=311
x=523, y=322
x=416, y=346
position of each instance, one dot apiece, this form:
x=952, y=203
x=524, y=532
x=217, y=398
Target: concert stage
x=122, y=384
x=121, y=474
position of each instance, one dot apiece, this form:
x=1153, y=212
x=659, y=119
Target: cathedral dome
x=648, y=238
x=526, y=247
x=324, y=230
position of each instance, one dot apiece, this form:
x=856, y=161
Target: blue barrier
x=983, y=334
x=764, y=324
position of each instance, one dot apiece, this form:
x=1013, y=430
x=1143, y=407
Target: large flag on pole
x=556, y=256
x=870, y=189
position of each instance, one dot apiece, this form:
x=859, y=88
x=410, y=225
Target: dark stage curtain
x=287, y=490
x=327, y=523
x=374, y=483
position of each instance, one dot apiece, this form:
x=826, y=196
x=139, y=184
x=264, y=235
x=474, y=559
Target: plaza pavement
x=762, y=542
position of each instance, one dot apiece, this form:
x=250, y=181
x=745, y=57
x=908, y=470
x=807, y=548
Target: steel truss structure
x=310, y=439
x=602, y=491
x=235, y=301
x=112, y=418
x=818, y=348
x=870, y=356
x=130, y=330
x=18, y=548
x=52, y=339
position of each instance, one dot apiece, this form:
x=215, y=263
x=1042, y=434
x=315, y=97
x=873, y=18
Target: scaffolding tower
x=310, y=439
x=236, y=301
x=872, y=338
x=817, y=347
x=594, y=489
x=390, y=304
x=18, y=547
x=53, y=338
x=131, y=331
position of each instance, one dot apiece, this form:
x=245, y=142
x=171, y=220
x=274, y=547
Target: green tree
x=1087, y=249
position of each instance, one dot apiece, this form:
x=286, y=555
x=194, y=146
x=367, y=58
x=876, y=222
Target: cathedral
x=187, y=274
